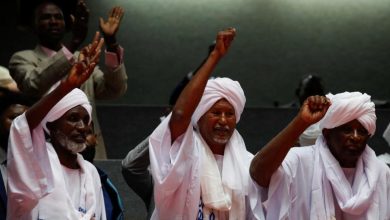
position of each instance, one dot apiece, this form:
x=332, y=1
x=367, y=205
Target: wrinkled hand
x=224, y=40
x=111, y=26
x=314, y=108
x=80, y=22
x=87, y=60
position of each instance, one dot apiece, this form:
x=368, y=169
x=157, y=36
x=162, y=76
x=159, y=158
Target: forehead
x=222, y=104
x=352, y=124
x=77, y=110
x=48, y=8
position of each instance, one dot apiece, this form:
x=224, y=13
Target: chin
x=221, y=140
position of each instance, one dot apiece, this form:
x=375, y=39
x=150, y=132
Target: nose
x=355, y=135
x=222, y=118
x=80, y=125
x=53, y=19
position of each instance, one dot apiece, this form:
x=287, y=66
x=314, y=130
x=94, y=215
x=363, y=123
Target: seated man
x=199, y=162
x=48, y=179
x=39, y=70
x=337, y=178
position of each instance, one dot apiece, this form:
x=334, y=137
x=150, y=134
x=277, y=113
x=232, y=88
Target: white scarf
x=328, y=175
x=228, y=193
x=40, y=181
x=329, y=179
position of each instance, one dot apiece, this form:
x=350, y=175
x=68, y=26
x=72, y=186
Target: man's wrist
x=112, y=47
x=111, y=43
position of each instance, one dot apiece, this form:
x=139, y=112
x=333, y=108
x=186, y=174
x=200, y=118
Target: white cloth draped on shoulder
x=186, y=170
x=362, y=199
x=35, y=174
x=311, y=182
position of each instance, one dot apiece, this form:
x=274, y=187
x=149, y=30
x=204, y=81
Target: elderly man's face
x=70, y=131
x=50, y=23
x=347, y=142
x=217, y=125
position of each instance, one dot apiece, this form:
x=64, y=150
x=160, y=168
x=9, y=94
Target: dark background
x=346, y=42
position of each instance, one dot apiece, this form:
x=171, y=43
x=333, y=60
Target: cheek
x=232, y=123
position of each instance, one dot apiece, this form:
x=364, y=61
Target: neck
x=56, y=46
x=348, y=164
x=219, y=149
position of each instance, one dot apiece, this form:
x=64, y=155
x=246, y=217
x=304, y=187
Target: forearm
x=137, y=160
x=111, y=84
x=191, y=95
x=36, y=77
x=271, y=156
x=39, y=110
x=111, y=43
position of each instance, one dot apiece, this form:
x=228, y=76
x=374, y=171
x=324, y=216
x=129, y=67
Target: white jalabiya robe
x=176, y=172
x=36, y=185
x=302, y=188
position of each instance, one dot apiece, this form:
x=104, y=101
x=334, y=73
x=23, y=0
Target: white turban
x=72, y=99
x=217, y=89
x=348, y=106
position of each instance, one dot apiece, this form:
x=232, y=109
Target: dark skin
x=79, y=73
x=50, y=26
x=347, y=142
x=217, y=125
x=111, y=26
x=74, y=124
x=271, y=156
x=192, y=93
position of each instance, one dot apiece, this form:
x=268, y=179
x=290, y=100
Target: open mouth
x=79, y=139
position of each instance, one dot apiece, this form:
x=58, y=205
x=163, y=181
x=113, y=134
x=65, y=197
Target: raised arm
x=192, y=93
x=110, y=27
x=79, y=73
x=271, y=156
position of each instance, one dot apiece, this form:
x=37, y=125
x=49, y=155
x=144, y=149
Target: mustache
x=222, y=127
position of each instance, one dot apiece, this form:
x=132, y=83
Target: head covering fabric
x=348, y=106
x=74, y=98
x=217, y=89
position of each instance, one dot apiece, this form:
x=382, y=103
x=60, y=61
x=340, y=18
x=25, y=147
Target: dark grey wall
x=346, y=42
x=124, y=126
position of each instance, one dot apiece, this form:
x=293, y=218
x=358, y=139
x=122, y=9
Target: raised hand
x=87, y=60
x=79, y=24
x=111, y=26
x=314, y=108
x=224, y=40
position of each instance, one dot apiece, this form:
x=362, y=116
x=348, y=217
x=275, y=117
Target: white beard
x=69, y=144
x=221, y=140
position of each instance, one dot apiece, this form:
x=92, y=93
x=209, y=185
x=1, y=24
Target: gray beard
x=68, y=144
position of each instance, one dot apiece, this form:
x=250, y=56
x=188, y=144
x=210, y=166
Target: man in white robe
x=198, y=160
x=337, y=178
x=49, y=179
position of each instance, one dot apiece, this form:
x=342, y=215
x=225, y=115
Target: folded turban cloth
x=72, y=99
x=217, y=89
x=348, y=106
